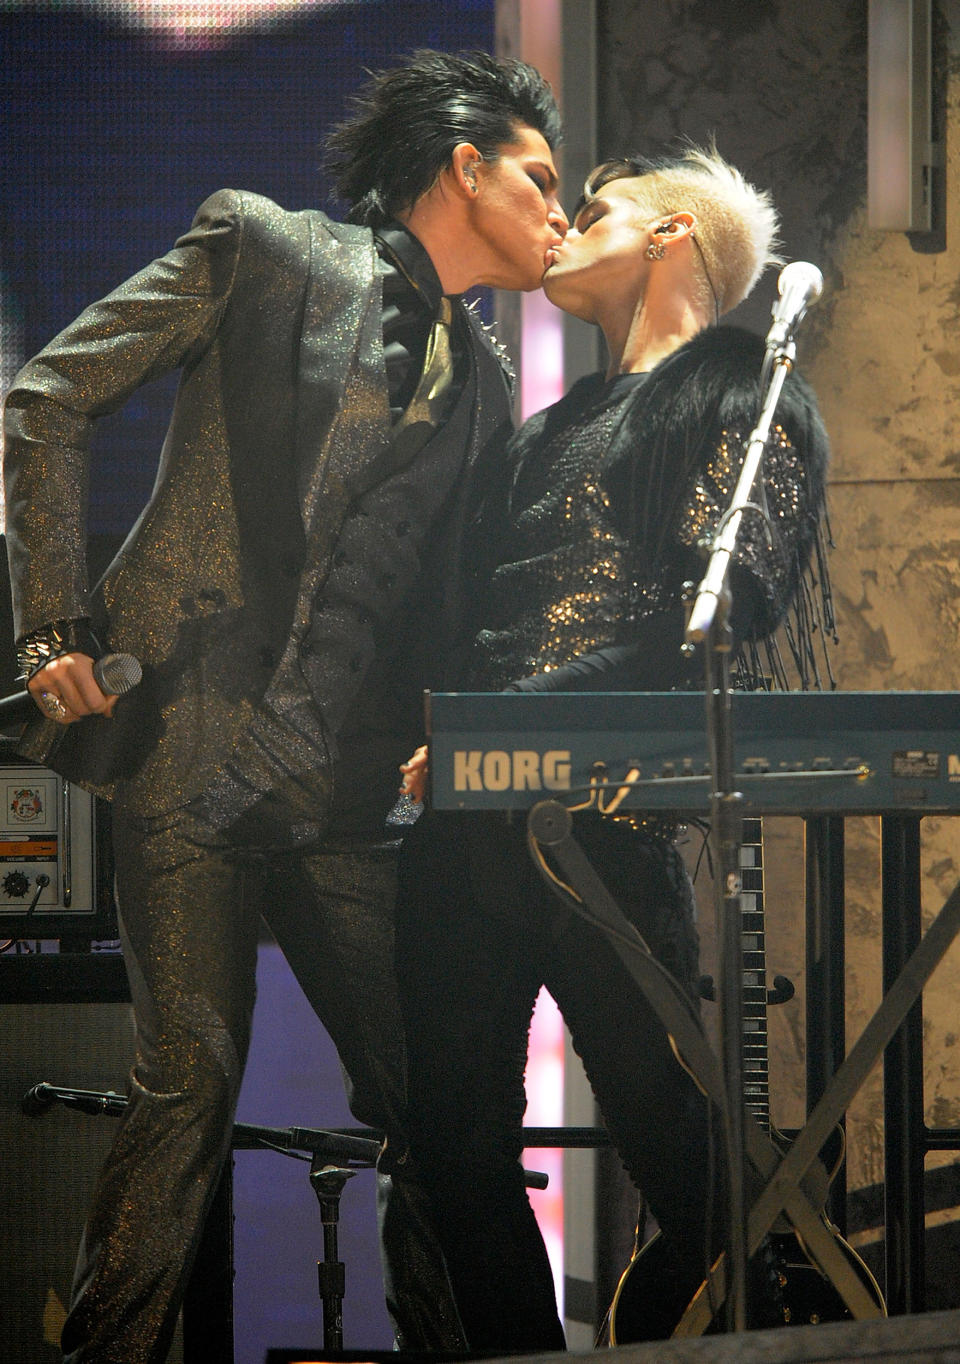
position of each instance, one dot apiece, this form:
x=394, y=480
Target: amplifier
x=55, y=866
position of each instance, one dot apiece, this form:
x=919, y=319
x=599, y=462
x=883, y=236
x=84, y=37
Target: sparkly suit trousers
x=189, y=921
x=478, y=933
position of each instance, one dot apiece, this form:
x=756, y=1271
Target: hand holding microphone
x=71, y=687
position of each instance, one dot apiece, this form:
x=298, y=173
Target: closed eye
x=543, y=177
x=588, y=216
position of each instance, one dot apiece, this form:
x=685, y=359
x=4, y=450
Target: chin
x=553, y=285
x=522, y=283
x=558, y=291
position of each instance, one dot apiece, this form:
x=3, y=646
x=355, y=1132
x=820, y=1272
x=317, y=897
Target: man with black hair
x=590, y=533
x=335, y=403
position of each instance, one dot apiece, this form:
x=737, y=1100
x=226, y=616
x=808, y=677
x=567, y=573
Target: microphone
x=334, y=1146
x=800, y=284
x=114, y=674
x=38, y=1099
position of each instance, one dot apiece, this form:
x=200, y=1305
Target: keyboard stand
x=550, y=825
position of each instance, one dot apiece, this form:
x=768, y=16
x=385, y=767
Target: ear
x=464, y=163
x=683, y=224
x=673, y=228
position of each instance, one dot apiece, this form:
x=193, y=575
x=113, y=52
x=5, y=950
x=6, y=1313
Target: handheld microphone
x=114, y=674
x=800, y=284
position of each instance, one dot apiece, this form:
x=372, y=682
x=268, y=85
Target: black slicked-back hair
x=405, y=122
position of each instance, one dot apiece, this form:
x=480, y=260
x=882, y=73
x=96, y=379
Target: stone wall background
x=783, y=88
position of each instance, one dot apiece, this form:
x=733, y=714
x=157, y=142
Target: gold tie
x=429, y=399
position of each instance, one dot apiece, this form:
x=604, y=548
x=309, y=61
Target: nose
x=556, y=216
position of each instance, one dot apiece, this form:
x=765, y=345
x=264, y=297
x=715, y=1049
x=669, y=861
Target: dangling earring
x=655, y=251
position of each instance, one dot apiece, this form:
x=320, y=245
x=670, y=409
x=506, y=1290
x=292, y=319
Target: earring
x=655, y=251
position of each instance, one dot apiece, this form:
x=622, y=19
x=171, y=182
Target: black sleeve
x=675, y=464
x=652, y=661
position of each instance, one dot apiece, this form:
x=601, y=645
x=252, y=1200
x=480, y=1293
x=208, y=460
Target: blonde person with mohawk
x=583, y=552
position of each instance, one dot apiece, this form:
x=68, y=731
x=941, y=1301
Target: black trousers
x=478, y=933
x=189, y=920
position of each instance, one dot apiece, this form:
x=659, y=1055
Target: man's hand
x=65, y=690
x=415, y=771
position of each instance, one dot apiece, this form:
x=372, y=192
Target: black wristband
x=40, y=647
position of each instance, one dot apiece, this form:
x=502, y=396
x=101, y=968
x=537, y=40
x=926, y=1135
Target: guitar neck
x=756, y=1068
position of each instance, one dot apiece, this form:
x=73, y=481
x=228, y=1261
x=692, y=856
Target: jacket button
x=214, y=595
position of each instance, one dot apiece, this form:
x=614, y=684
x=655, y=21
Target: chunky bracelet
x=36, y=650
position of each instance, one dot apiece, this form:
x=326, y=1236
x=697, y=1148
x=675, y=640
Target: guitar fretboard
x=756, y=1072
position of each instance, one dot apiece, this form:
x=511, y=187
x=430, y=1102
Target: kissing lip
x=551, y=255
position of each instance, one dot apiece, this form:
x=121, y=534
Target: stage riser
x=934, y=1336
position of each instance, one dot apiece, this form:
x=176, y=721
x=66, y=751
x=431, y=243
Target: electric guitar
x=804, y=1293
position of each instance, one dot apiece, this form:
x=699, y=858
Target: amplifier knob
x=15, y=884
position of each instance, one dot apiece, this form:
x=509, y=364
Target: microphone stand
x=708, y=623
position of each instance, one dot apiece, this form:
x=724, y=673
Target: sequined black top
x=605, y=498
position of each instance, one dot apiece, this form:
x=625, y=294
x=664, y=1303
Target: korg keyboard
x=799, y=753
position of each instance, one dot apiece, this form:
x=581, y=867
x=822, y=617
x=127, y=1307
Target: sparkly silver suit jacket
x=280, y=424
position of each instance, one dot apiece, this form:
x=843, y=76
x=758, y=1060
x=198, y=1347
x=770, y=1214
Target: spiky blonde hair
x=736, y=223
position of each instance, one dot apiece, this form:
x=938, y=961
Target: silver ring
x=52, y=705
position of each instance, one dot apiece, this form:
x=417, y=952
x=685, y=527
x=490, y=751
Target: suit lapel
x=342, y=399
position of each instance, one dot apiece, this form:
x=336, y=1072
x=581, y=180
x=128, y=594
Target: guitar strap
x=550, y=826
